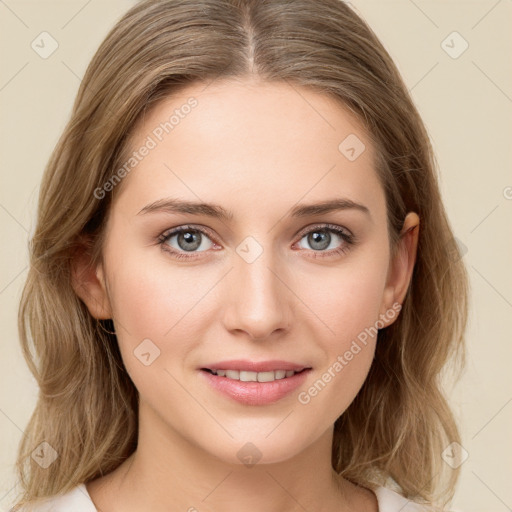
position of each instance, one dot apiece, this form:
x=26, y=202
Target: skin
x=257, y=149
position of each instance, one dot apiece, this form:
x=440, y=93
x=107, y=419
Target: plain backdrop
x=454, y=57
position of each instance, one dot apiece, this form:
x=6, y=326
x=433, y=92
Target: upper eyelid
x=173, y=231
x=327, y=226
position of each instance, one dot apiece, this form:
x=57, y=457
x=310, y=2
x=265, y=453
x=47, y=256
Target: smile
x=247, y=376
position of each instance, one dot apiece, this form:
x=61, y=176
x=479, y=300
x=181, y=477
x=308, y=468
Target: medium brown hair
x=87, y=410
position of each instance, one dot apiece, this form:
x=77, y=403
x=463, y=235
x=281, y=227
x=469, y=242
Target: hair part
x=87, y=409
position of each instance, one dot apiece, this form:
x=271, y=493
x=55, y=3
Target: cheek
x=150, y=297
x=346, y=303
x=151, y=307
x=151, y=313
x=346, y=299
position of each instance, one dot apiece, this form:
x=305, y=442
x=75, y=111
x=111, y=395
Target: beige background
x=466, y=103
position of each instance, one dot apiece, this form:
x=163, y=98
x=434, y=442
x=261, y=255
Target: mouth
x=252, y=376
x=255, y=388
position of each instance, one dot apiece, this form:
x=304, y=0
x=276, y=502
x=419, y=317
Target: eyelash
x=348, y=239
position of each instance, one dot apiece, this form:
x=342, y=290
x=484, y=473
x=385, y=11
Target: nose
x=259, y=299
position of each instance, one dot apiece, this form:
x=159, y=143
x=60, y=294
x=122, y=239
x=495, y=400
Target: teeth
x=280, y=374
x=246, y=376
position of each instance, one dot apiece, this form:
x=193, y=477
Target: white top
x=78, y=500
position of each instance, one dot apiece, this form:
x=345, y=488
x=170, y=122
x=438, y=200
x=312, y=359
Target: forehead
x=239, y=141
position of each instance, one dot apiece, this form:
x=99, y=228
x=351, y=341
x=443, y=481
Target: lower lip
x=256, y=393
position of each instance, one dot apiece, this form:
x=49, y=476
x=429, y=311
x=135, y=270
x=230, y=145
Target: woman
x=243, y=282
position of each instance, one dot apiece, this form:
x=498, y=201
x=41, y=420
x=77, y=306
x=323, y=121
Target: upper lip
x=253, y=366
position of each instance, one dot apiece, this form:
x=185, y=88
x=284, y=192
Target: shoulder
x=77, y=500
x=391, y=501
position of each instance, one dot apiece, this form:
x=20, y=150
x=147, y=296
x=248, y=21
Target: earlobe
x=402, y=266
x=89, y=284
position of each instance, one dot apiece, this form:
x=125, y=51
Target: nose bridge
x=259, y=299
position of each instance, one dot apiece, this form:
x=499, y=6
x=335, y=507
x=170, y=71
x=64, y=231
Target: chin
x=256, y=450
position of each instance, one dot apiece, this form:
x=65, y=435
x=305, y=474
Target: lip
x=253, y=366
x=255, y=393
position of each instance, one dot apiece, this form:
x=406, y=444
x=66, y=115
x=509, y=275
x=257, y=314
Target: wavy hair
x=397, y=427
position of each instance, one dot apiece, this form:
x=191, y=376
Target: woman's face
x=272, y=278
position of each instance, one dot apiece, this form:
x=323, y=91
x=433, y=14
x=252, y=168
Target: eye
x=320, y=238
x=185, y=242
x=185, y=239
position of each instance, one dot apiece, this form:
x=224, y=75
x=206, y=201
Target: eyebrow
x=171, y=205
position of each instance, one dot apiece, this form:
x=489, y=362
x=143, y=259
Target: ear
x=89, y=282
x=401, y=267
